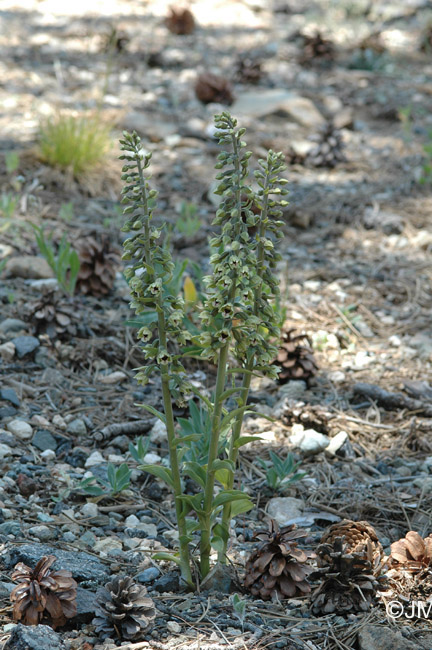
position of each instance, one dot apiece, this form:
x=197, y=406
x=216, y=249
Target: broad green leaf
x=159, y=471
x=223, y=464
x=217, y=543
x=167, y=556
x=154, y=411
x=223, y=476
x=192, y=436
x=196, y=471
x=240, y=506
x=243, y=440
x=227, y=496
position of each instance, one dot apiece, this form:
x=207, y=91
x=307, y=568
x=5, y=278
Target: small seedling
x=8, y=204
x=281, y=473
x=66, y=211
x=118, y=480
x=239, y=607
x=12, y=161
x=140, y=449
x=74, y=144
x=188, y=223
x=65, y=263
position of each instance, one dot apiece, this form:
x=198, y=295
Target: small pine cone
x=296, y=361
x=316, y=47
x=43, y=594
x=248, y=71
x=412, y=553
x=278, y=568
x=356, y=535
x=180, y=21
x=348, y=582
x=52, y=314
x=123, y=609
x=328, y=151
x=210, y=87
x=98, y=265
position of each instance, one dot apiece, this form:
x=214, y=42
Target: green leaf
x=167, y=556
x=154, y=411
x=231, y=391
x=111, y=472
x=243, y=440
x=233, y=414
x=196, y=472
x=227, y=496
x=192, y=436
x=240, y=506
x=159, y=471
x=223, y=464
x=223, y=476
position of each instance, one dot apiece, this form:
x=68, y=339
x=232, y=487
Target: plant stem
x=205, y=546
x=172, y=447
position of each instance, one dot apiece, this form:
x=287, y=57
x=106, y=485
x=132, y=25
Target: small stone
x=309, y=441
x=285, y=509
x=152, y=459
x=20, y=429
x=34, y=637
x=336, y=376
x=174, y=627
x=48, y=454
x=10, y=527
x=88, y=539
x=43, y=533
x=168, y=582
x=104, y=546
x=375, y=637
x=44, y=440
x=158, y=433
x=25, y=345
x=42, y=516
x=39, y=420
x=77, y=427
x=7, y=351
x=148, y=575
x=90, y=510
x=69, y=536
x=219, y=579
x=95, y=458
x=9, y=325
x=336, y=443
x=5, y=450
x=132, y=520
x=113, y=378
x=9, y=395
x=29, y=267
x=59, y=422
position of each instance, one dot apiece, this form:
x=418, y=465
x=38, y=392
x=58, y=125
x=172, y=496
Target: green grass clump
x=74, y=144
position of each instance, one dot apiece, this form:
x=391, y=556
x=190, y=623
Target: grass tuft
x=74, y=144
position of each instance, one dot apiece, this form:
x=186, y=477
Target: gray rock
x=219, y=579
x=276, y=100
x=44, y=440
x=5, y=450
x=77, y=427
x=148, y=575
x=29, y=266
x=9, y=395
x=374, y=637
x=168, y=582
x=85, y=605
x=34, y=637
x=309, y=441
x=10, y=527
x=82, y=565
x=25, y=345
x=285, y=509
x=10, y=325
x=6, y=588
x=20, y=429
x=44, y=533
x=7, y=352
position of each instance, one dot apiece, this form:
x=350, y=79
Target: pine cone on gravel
x=248, y=71
x=328, y=151
x=52, y=314
x=180, y=21
x=123, y=609
x=356, y=536
x=43, y=593
x=348, y=581
x=278, y=569
x=98, y=267
x=316, y=47
x=296, y=361
x=210, y=87
x=412, y=553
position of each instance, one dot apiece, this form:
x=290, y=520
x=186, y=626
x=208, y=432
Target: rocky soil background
x=356, y=277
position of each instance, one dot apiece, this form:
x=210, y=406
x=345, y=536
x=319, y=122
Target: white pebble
x=59, y=422
x=174, y=627
x=132, y=520
x=90, y=510
x=158, y=433
x=95, y=458
x=48, y=454
x=20, y=429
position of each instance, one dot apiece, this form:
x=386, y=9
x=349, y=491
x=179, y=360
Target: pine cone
x=329, y=149
x=98, y=265
x=412, y=553
x=296, y=361
x=123, y=608
x=356, y=536
x=248, y=71
x=349, y=584
x=180, y=21
x=52, y=314
x=278, y=569
x=210, y=87
x=43, y=593
x=317, y=47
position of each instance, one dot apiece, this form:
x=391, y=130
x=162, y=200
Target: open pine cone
x=412, y=553
x=316, y=47
x=52, y=314
x=296, y=361
x=43, y=593
x=278, y=568
x=98, y=265
x=348, y=584
x=328, y=151
x=180, y=21
x=123, y=609
x=356, y=536
x=210, y=87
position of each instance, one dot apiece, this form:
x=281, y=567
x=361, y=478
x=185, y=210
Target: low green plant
x=188, y=223
x=280, y=473
x=8, y=204
x=65, y=262
x=239, y=607
x=237, y=322
x=118, y=479
x=74, y=144
x=12, y=161
x=140, y=449
x=66, y=211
